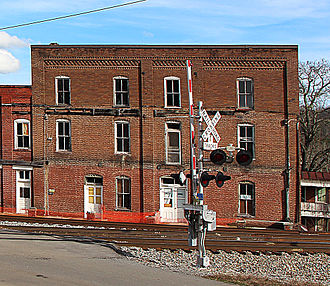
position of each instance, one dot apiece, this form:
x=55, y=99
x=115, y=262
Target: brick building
x=111, y=125
x=16, y=148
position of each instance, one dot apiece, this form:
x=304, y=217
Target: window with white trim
x=246, y=138
x=22, y=133
x=123, y=191
x=63, y=90
x=172, y=92
x=24, y=183
x=121, y=91
x=173, y=142
x=246, y=199
x=63, y=135
x=245, y=93
x=122, y=137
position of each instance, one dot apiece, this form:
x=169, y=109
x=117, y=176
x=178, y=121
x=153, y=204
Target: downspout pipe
x=1, y=154
x=141, y=140
x=287, y=146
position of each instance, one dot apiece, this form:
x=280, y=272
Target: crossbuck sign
x=210, y=132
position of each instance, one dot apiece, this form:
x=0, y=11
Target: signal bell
x=218, y=157
x=244, y=158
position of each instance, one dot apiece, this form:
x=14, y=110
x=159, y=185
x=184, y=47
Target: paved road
x=27, y=259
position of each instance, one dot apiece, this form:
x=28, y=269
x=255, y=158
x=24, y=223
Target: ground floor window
x=123, y=190
x=246, y=199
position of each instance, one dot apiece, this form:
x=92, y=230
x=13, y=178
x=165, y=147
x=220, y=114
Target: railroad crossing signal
x=210, y=131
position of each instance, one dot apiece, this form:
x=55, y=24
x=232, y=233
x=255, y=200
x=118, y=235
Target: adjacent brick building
x=111, y=126
x=16, y=148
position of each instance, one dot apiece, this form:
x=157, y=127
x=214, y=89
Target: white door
x=93, y=199
x=23, y=191
x=172, y=198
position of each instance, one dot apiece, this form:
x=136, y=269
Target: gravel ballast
x=282, y=267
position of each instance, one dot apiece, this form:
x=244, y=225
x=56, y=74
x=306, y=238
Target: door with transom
x=93, y=195
x=172, y=198
x=23, y=190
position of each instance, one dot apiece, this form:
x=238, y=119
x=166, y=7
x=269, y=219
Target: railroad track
x=173, y=236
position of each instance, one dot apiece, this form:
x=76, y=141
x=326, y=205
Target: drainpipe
x=1, y=155
x=298, y=217
x=141, y=140
x=287, y=146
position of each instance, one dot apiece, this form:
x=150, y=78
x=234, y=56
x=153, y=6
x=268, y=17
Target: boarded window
x=173, y=144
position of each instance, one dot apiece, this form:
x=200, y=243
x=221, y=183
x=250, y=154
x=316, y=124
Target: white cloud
x=7, y=41
x=8, y=63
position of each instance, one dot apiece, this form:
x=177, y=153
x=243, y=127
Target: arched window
x=246, y=199
x=63, y=90
x=172, y=91
x=22, y=133
x=245, y=92
x=121, y=91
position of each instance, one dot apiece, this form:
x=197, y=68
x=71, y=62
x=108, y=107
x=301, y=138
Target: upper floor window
x=245, y=93
x=63, y=135
x=172, y=92
x=122, y=137
x=173, y=143
x=22, y=133
x=246, y=137
x=246, y=199
x=121, y=93
x=63, y=93
x=123, y=190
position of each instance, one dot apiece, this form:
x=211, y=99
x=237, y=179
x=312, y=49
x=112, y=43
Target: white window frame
x=22, y=121
x=246, y=139
x=122, y=193
x=129, y=137
x=56, y=90
x=245, y=79
x=253, y=199
x=65, y=136
x=167, y=151
x=121, y=91
x=165, y=91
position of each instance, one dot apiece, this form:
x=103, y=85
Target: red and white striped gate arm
x=192, y=132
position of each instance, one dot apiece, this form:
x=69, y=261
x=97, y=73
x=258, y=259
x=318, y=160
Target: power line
x=72, y=15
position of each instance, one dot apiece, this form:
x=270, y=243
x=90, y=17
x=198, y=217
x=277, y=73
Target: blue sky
x=302, y=22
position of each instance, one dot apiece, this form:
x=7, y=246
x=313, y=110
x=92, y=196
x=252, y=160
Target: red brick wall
x=15, y=104
x=215, y=70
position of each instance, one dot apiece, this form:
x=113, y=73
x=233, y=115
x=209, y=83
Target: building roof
x=316, y=176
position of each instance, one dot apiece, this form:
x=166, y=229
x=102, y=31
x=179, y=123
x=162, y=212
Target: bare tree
x=314, y=91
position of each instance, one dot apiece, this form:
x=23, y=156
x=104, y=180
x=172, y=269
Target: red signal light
x=205, y=179
x=220, y=179
x=218, y=157
x=244, y=158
